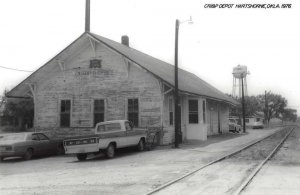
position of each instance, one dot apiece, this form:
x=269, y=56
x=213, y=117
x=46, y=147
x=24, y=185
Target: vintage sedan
x=234, y=126
x=27, y=145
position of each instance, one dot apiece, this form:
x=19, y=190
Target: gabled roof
x=187, y=82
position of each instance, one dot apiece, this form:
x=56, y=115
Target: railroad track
x=245, y=182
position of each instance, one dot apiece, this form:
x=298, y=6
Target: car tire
x=141, y=145
x=28, y=154
x=110, y=151
x=81, y=156
x=1, y=159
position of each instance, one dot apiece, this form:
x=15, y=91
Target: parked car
x=27, y=145
x=257, y=125
x=234, y=126
x=107, y=137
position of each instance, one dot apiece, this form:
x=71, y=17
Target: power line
x=15, y=69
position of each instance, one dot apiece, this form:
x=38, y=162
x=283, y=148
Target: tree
x=276, y=105
x=3, y=99
x=19, y=110
x=289, y=115
x=252, y=106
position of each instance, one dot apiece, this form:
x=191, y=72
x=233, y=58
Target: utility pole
x=266, y=109
x=176, y=86
x=178, y=135
x=87, y=16
x=243, y=106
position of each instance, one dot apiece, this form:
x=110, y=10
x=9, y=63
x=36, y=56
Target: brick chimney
x=125, y=40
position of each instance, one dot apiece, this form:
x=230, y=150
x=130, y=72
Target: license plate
x=81, y=141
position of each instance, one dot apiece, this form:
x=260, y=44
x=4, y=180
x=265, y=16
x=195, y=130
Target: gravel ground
x=281, y=175
x=128, y=173
x=225, y=176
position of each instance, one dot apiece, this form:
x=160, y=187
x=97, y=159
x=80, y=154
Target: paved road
x=129, y=173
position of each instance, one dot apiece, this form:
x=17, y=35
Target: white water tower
x=239, y=74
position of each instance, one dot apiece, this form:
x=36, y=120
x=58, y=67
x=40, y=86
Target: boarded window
x=65, y=113
x=171, y=111
x=98, y=111
x=133, y=111
x=193, y=111
x=96, y=63
x=204, y=111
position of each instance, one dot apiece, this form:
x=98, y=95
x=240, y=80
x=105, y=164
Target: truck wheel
x=110, y=151
x=81, y=156
x=141, y=145
x=28, y=154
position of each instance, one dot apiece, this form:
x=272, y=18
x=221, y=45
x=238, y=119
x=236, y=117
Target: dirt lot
x=129, y=173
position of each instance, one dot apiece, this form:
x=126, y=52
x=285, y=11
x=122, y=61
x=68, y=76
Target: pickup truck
x=107, y=137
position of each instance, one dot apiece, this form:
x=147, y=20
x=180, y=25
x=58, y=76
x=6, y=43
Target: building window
x=133, y=111
x=98, y=111
x=65, y=113
x=204, y=111
x=171, y=121
x=96, y=63
x=193, y=111
x=246, y=120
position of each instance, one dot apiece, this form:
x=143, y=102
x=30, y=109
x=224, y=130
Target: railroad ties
x=259, y=151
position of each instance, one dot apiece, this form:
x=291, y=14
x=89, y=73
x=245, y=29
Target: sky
x=267, y=41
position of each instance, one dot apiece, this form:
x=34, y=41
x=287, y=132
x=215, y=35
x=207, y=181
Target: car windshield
x=12, y=137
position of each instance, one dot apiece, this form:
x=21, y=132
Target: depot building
x=96, y=79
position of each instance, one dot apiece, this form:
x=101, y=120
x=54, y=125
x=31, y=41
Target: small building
x=96, y=79
x=254, y=121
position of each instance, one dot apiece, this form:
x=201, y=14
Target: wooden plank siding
x=217, y=117
x=68, y=76
x=115, y=82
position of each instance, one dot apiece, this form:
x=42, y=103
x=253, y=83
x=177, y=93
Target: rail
x=215, y=161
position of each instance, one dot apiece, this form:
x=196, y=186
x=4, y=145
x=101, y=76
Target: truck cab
x=107, y=137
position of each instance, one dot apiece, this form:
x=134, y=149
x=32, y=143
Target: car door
x=131, y=134
x=46, y=146
x=35, y=144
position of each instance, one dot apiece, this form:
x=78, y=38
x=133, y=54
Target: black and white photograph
x=149, y=97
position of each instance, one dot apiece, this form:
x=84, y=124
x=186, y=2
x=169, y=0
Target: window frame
x=41, y=135
x=138, y=110
x=93, y=65
x=204, y=111
x=193, y=112
x=35, y=135
x=93, y=108
x=70, y=113
x=119, y=129
x=171, y=113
